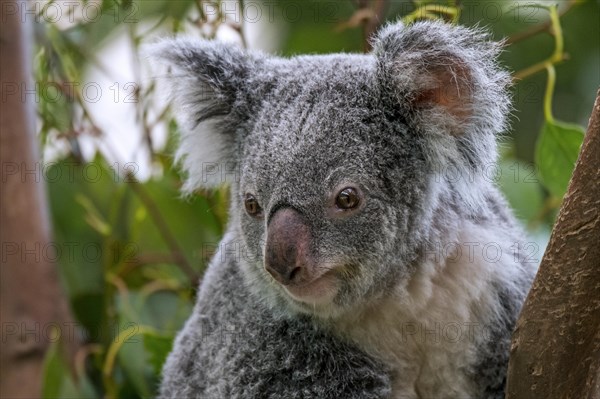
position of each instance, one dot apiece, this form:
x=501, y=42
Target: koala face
x=327, y=185
x=335, y=159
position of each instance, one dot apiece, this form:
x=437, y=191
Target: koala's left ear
x=445, y=76
x=208, y=83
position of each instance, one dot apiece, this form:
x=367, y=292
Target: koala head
x=334, y=161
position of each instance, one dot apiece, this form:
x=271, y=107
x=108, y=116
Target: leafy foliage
x=556, y=153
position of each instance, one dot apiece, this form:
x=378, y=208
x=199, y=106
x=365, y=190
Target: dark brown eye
x=252, y=206
x=347, y=199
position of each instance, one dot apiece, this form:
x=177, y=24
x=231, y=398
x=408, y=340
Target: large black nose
x=287, y=255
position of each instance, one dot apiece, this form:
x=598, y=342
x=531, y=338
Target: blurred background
x=129, y=250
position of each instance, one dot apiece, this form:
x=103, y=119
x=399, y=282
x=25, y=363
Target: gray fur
x=233, y=347
x=428, y=100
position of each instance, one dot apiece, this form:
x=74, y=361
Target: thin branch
x=163, y=227
x=535, y=68
x=144, y=259
x=239, y=28
x=371, y=18
x=371, y=25
x=150, y=205
x=539, y=28
x=558, y=55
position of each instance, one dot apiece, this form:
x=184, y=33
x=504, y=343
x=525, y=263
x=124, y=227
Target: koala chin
x=368, y=252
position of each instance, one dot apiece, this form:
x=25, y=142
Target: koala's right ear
x=206, y=82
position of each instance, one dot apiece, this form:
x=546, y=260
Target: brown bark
x=555, y=350
x=31, y=299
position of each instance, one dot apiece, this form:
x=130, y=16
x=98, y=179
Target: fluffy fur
x=429, y=274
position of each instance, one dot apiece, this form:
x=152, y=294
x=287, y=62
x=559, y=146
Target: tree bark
x=32, y=304
x=555, y=350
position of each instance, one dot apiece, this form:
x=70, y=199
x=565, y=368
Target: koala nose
x=287, y=254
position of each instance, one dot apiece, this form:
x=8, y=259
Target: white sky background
x=109, y=86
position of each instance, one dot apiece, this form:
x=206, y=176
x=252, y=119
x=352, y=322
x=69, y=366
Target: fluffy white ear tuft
x=205, y=81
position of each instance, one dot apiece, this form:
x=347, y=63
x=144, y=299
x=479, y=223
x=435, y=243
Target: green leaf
x=519, y=182
x=131, y=356
x=53, y=373
x=193, y=237
x=57, y=381
x=89, y=310
x=79, y=250
x=556, y=154
x=158, y=347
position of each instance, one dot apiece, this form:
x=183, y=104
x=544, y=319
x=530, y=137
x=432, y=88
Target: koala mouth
x=320, y=290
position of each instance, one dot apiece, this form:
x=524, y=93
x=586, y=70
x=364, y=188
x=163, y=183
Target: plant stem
x=558, y=35
x=534, y=30
x=557, y=55
x=549, y=92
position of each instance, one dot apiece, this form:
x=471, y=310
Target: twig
x=539, y=28
x=162, y=226
x=557, y=56
x=158, y=219
x=371, y=25
x=370, y=17
x=239, y=28
x=535, y=68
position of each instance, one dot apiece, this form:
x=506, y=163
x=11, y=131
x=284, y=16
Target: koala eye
x=252, y=206
x=347, y=198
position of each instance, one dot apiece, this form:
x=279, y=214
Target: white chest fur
x=428, y=332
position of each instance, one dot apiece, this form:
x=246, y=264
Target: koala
x=368, y=253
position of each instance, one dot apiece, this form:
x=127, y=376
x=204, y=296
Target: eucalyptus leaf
x=131, y=357
x=57, y=381
x=53, y=373
x=158, y=347
x=556, y=153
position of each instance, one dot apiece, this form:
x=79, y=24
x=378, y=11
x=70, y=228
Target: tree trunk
x=32, y=303
x=555, y=350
